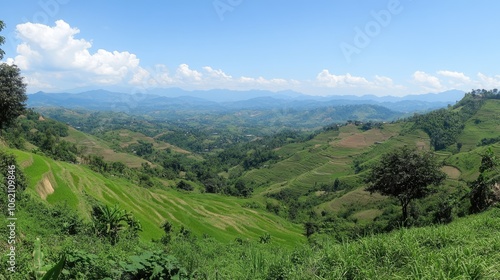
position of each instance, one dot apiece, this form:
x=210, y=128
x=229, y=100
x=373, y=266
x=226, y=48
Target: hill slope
x=306, y=171
x=468, y=248
x=223, y=218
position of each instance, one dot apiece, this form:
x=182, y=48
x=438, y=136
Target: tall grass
x=465, y=249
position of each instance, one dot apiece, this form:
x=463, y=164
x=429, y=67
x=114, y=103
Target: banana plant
x=40, y=270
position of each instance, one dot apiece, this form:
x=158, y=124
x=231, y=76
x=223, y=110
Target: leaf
x=157, y=272
x=54, y=272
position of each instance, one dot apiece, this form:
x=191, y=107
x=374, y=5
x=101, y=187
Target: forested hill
x=477, y=111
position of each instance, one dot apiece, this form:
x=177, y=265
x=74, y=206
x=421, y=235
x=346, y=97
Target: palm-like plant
x=109, y=221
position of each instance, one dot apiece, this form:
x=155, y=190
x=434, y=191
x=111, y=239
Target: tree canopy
x=405, y=174
x=12, y=94
x=485, y=190
x=12, y=89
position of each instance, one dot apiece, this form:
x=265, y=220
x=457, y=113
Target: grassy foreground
x=468, y=248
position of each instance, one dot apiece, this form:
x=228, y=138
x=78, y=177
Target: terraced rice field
x=221, y=217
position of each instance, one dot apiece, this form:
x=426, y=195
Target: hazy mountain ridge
x=227, y=100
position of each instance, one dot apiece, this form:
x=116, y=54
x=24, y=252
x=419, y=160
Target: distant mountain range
x=230, y=100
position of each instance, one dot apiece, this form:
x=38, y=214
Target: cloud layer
x=54, y=52
x=53, y=58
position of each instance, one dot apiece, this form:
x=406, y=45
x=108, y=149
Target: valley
x=227, y=184
x=249, y=140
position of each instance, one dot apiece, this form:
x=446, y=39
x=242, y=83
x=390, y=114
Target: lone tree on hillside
x=12, y=94
x=405, y=174
x=12, y=90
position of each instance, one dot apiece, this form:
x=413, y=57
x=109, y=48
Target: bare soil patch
x=451, y=171
x=45, y=188
x=362, y=140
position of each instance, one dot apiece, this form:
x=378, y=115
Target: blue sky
x=381, y=47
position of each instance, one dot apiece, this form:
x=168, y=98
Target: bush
x=183, y=185
x=153, y=265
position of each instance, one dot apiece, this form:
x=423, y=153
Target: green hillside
x=306, y=167
x=223, y=218
x=298, y=179
x=91, y=145
x=306, y=170
x=484, y=124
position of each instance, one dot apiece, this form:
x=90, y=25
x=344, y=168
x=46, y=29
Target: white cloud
x=52, y=57
x=185, y=74
x=427, y=81
x=383, y=81
x=457, y=76
x=52, y=49
x=488, y=82
x=140, y=77
x=217, y=74
x=324, y=78
x=348, y=84
x=455, y=80
x=206, y=78
x=36, y=82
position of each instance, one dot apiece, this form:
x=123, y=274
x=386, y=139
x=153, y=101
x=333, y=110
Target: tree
x=405, y=174
x=12, y=94
x=243, y=189
x=482, y=194
x=183, y=185
x=12, y=90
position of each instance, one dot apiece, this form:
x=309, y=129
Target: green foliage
x=482, y=195
x=445, y=125
x=81, y=264
x=142, y=148
x=168, y=228
x=278, y=271
x=110, y=221
x=466, y=248
x=42, y=271
x=12, y=93
x=46, y=134
x=266, y=238
x=243, y=189
x=444, y=212
x=38, y=263
x=12, y=179
x=489, y=141
x=257, y=157
x=405, y=174
x=55, y=272
x=153, y=265
x=183, y=185
x=369, y=125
